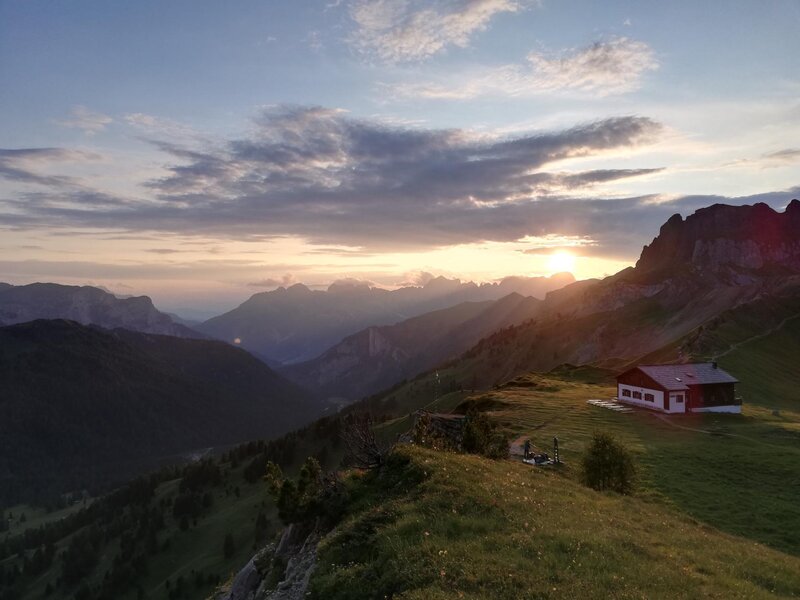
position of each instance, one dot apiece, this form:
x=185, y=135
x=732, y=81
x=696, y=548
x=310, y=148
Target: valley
x=709, y=487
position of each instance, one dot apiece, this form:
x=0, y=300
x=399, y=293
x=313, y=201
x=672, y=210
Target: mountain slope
x=84, y=406
x=666, y=297
x=297, y=324
x=87, y=305
x=377, y=357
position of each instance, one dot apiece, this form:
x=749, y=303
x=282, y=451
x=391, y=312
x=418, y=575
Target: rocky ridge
x=86, y=305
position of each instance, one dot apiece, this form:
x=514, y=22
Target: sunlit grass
x=477, y=528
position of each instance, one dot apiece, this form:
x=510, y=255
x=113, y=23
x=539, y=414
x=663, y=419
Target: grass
x=764, y=367
x=475, y=528
x=735, y=472
x=716, y=500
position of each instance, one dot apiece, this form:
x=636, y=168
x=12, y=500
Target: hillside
x=87, y=305
x=655, y=305
x=377, y=357
x=437, y=522
x=473, y=528
x=699, y=477
x=84, y=407
x=295, y=324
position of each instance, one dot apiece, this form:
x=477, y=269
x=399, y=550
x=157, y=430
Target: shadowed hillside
x=373, y=359
x=85, y=407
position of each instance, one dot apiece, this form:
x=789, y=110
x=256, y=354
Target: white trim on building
x=640, y=396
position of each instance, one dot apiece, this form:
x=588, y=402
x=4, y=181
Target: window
x=637, y=395
x=626, y=393
x=678, y=397
x=650, y=397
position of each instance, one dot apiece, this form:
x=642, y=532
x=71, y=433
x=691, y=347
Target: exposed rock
x=86, y=305
x=746, y=237
x=279, y=571
x=297, y=575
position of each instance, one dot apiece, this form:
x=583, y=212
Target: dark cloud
x=785, y=155
x=163, y=251
x=338, y=181
x=21, y=165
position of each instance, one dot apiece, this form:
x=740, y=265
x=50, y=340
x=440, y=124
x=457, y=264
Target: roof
x=680, y=377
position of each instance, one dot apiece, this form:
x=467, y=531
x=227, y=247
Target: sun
x=560, y=262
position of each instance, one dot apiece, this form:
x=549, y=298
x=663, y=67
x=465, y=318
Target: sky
x=199, y=151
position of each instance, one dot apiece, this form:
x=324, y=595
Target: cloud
x=89, y=121
x=163, y=251
x=161, y=128
x=416, y=279
x=28, y=165
x=336, y=181
x=414, y=30
x=611, y=67
x=786, y=155
x=271, y=282
x=575, y=245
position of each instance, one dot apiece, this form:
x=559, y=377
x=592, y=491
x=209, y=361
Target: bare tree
x=359, y=438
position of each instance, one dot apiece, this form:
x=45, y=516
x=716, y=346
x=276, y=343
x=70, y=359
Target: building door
x=678, y=401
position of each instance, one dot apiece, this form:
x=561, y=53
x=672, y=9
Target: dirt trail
x=757, y=336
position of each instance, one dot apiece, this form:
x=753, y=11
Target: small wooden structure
x=444, y=427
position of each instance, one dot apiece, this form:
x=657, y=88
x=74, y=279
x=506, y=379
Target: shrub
x=313, y=495
x=481, y=436
x=608, y=465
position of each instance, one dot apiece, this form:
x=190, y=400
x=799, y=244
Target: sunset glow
x=309, y=142
x=561, y=262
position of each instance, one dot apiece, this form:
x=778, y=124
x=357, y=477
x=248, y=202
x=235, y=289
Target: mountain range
x=296, y=324
x=87, y=305
x=377, y=357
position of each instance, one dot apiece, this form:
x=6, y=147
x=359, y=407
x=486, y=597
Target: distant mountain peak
x=349, y=285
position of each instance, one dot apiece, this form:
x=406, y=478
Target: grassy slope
x=735, y=472
x=767, y=366
x=481, y=529
x=740, y=478
x=720, y=480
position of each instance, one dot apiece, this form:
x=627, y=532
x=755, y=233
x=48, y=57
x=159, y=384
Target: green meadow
x=442, y=525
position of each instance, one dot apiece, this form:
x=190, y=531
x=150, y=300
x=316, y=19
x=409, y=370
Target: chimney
x=714, y=365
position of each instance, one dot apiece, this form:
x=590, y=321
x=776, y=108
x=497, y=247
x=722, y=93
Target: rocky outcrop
x=86, y=305
x=279, y=571
x=723, y=237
